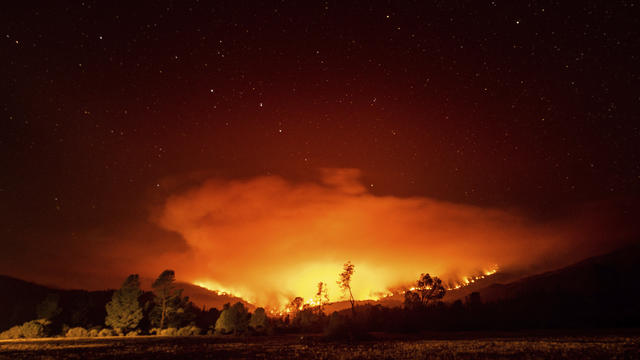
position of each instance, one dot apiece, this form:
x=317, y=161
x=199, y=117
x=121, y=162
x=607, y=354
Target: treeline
x=165, y=311
x=128, y=312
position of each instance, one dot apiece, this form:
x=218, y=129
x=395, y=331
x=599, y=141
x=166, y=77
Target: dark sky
x=107, y=109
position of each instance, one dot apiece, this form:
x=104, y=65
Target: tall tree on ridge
x=167, y=296
x=124, y=311
x=345, y=284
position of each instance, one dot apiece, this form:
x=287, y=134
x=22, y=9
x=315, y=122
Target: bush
x=106, y=332
x=64, y=328
x=13, y=333
x=35, y=328
x=94, y=332
x=77, y=332
x=133, y=333
x=168, y=332
x=29, y=330
x=189, y=331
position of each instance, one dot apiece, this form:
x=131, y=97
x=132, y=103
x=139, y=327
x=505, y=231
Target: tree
x=295, y=305
x=427, y=288
x=345, y=284
x=233, y=319
x=48, y=308
x=80, y=312
x=473, y=300
x=322, y=297
x=259, y=321
x=168, y=300
x=124, y=311
x=306, y=319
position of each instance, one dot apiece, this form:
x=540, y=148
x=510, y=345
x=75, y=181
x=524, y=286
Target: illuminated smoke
x=267, y=239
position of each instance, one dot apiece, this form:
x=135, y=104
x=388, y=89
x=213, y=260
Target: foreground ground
x=602, y=346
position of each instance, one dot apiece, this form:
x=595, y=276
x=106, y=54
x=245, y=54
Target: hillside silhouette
x=601, y=291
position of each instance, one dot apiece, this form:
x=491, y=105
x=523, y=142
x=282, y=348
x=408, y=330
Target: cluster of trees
x=165, y=311
x=166, y=308
x=129, y=311
x=360, y=319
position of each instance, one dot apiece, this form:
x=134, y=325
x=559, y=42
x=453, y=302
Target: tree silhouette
x=345, y=284
x=48, y=308
x=322, y=297
x=124, y=311
x=259, y=322
x=167, y=298
x=295, y=305
x=427, y=288
x=233, y=319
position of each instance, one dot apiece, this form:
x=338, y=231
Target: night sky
x=108, y=110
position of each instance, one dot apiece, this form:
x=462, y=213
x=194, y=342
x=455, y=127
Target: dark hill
x=19, y=301
x=602, y=291
x=599, y=292
x=614, y=275
x=202, y=297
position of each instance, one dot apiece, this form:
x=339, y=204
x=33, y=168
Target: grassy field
x=296, y=347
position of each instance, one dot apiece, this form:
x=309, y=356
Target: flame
x=468, y=280
x=216, y=287
x=364, y=285
x=284, y=308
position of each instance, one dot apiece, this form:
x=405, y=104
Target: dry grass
x=293, y=347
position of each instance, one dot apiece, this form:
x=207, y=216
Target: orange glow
x=268, y=240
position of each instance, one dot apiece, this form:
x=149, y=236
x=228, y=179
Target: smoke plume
x=268, y=239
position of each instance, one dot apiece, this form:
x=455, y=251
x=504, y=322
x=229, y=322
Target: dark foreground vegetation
x=458, y=346
x=561, y=314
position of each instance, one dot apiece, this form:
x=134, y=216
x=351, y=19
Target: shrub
x=13, y=333
x=64, y=328
x=35, y=328
x=133, y=333
x=30, y=329
x=169, y=332
x=77, y=332
x=94, y=332
x=189, y=331
x=106, y=332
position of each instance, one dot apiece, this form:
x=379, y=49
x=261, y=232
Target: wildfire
x=468, y=280
x=465, y=281
x=269, y=239
x=216, y=288
x=286, y=306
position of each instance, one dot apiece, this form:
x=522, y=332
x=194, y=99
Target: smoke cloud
x=268, y=239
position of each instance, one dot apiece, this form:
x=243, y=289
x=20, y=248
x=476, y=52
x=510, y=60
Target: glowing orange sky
x=268, y=239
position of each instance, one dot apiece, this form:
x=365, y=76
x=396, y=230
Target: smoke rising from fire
x=268, y=239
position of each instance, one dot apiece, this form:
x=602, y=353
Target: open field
x=296, y=347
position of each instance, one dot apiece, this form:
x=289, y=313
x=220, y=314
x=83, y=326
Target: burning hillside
x=269, y=240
